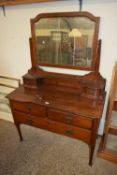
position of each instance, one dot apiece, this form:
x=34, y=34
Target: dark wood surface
x=65, y=101
x=64, y=104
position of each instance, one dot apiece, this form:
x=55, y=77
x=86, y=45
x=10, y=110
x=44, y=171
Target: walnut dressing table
x=65, y=104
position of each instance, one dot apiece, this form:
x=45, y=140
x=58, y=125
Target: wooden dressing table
x=65, y=104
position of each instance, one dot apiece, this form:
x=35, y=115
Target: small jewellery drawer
x=29, y=108
x=53, y=126
x=21, y=117
x=69, y=118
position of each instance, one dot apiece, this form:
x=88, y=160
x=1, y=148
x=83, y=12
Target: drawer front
x=23, y=118
x=57, y=127
x=29, y=108
x=70, y=119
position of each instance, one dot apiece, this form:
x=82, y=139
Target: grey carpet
x=45, y=153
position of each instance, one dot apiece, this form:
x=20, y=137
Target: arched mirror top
x=66, y=40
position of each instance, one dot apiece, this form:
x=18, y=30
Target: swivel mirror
x=66, y=40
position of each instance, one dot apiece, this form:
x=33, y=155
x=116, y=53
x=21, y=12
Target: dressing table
x=69, y=105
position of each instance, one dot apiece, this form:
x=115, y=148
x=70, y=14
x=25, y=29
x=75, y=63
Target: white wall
x=15, y=31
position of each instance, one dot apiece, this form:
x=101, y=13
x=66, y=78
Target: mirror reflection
x=111, y=143
x=64, y=41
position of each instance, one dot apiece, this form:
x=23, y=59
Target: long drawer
x=76, y=120
x=50, y=125
x=34, y=109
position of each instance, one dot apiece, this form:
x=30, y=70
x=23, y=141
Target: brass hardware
x=29, y=107
x=38, y=98
x=68, y=118
x=47, y=103
x=69, y=131
x=29, y=121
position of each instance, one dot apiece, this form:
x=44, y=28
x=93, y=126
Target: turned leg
x=19, y=131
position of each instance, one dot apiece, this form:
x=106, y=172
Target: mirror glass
x=111, y=143
x=65, y=41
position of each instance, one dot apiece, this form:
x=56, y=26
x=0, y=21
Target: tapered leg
x=91, y=152
x=19, y=131
x=93, y=141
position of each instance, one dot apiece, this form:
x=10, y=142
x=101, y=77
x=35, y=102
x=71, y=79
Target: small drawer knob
x=69, y=131
x=68, y=119
x=29, y=121
x=29, y=107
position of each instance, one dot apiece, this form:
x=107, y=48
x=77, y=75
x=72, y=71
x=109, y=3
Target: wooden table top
x=61, y=100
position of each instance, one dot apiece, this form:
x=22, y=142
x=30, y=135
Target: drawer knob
x=29, y=121
x=29, y=107
x=68, y=118
x=69, y=131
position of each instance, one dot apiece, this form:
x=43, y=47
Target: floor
x=45, y=153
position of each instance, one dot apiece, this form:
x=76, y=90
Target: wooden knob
x=68, y=119
x=69, y=131
x=29, y=107
x=29, y=121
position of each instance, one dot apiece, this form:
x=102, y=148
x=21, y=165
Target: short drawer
x=28, y=107
x=69, y=118
x=24, y=118
x=53, y=126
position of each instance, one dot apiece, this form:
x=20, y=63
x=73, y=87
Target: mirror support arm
x=98, y=55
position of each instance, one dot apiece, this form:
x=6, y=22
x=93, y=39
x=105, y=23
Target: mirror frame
x=96, y=43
